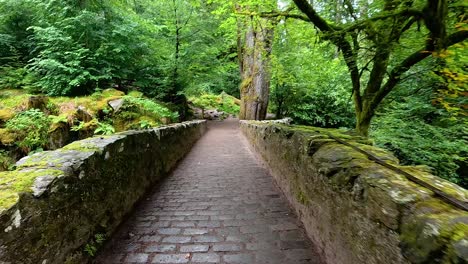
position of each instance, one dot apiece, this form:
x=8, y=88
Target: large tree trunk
x=363, y=121
x=255, y=70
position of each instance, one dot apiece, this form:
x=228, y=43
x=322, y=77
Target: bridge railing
x=358, y=210
x=58, y=206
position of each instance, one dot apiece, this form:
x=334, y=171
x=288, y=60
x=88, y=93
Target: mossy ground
x=137, y=112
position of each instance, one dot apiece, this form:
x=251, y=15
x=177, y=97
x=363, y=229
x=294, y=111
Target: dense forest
x=391, y=70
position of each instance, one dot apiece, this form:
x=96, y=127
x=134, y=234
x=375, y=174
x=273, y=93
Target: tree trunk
x=175, y=70
x=363, y=121
x=255, y=87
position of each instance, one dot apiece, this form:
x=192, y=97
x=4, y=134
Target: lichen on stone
x=14, y=182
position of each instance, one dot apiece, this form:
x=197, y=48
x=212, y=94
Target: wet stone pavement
x=218, y=206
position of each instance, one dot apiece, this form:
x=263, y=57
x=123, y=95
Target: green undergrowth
x=141, y=113
x=24, y=129
x=222, y=102
x=443, y=147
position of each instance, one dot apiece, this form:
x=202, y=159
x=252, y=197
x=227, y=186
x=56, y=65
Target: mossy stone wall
x=356, y=210
x=68, y=196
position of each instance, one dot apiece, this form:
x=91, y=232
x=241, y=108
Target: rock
x=213, y=115
x=83, y=115
x=461, y=250
x=116, y=104
x=112, y=92
x=59, y=136
x=270, y=116
x=38, y=102
x=197, y=112
x=41, y=184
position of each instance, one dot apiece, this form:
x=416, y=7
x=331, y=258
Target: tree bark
x=255, y=66
x=175, y=70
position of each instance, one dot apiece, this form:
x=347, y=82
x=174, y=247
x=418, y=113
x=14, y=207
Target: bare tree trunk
x=255, y=87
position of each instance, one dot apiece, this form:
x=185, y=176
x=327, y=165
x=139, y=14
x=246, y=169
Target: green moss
x=13, y=99
x=6, y=160
x=136, y=94
x=6, y=114
x=14, y=182
x=437, y=182
x=458, y=232
x=434, y=229
x=82, y=146
x=222, y=102
x=93, y=103
x=107, y=93
x=301, y=197
x=246, y=83
x=7, y=137
x=451, y=236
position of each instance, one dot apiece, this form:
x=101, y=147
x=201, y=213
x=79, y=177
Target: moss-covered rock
x=38, y=102
x=59, y=135
x=7, y=137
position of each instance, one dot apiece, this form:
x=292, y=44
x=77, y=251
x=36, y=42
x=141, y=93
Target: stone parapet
x=358, y=211
x=58, y=206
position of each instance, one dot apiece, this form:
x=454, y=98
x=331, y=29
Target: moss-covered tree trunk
x=255, y=70
x=363, y=121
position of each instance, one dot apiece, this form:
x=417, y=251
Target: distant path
x=218, y=206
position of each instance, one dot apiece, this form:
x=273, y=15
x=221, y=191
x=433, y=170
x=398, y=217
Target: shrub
x=104, y=129
x=146, y=106
x=420, y=134
x=32, y=128
x=324, y=109
x=222, y=102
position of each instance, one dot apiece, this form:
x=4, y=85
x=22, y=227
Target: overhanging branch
x=413, y=59
x=275, y=14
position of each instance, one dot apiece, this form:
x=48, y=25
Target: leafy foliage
x=452, y=74
x=301, y=88
x=148, y=107
x=222, y=102
x=418, y=132
x=322, y=109
x=31, y=126
x=145, y=124
x=104, y=129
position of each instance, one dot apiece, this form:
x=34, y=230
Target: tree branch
x=275, y=14
x=410, y=61
x=363, y=23
x=310, y=12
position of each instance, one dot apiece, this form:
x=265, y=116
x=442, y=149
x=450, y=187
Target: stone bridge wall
x=356, y=210
x=72, y=198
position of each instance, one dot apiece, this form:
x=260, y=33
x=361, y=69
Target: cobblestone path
x=218, y=206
